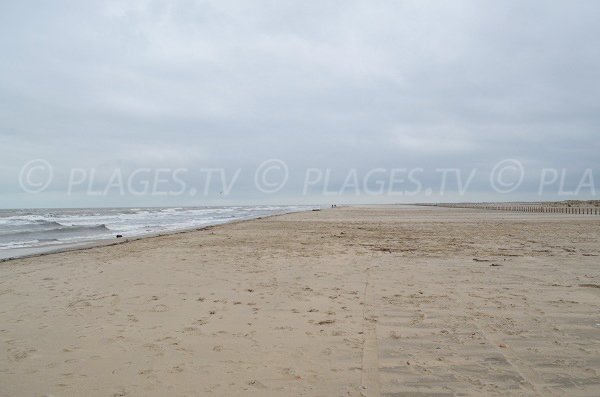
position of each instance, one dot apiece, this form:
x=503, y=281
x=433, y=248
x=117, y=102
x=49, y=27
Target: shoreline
x=123, y=240
x=67, y=247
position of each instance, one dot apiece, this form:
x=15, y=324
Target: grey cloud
x=319, y=84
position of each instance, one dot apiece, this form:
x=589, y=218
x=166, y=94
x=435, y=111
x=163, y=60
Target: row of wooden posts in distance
x=527, y=208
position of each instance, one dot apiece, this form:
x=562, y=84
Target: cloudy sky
x=98, y=90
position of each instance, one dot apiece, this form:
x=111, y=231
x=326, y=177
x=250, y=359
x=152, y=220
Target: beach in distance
x=388, y=300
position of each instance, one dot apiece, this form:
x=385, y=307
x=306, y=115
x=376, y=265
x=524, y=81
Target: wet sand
x=373, y=301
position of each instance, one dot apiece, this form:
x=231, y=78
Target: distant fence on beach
x=521, y=207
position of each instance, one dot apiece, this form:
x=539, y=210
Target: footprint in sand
x=160, y=308
x=326, y=352
x=192, y=331
x=18, y=355
x=132, y=318
x=257, y=384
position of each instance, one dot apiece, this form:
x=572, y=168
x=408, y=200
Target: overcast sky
x=318, y=84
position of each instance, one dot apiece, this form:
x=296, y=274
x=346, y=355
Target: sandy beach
x=354, y=301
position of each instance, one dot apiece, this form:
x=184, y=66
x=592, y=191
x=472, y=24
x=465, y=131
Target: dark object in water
x=119, y=235
x=316, y=209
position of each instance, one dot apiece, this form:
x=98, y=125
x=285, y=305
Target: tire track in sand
x=370, y=385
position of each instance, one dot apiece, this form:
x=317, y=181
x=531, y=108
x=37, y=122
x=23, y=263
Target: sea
x=31, y=231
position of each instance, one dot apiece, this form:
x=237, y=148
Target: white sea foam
x=50, y=227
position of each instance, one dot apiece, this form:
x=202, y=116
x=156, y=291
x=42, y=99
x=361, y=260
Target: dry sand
x=396, y=301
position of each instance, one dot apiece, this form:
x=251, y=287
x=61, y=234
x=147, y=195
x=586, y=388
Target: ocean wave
x=49, y=227
x=27, y=226
x=56, y=232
